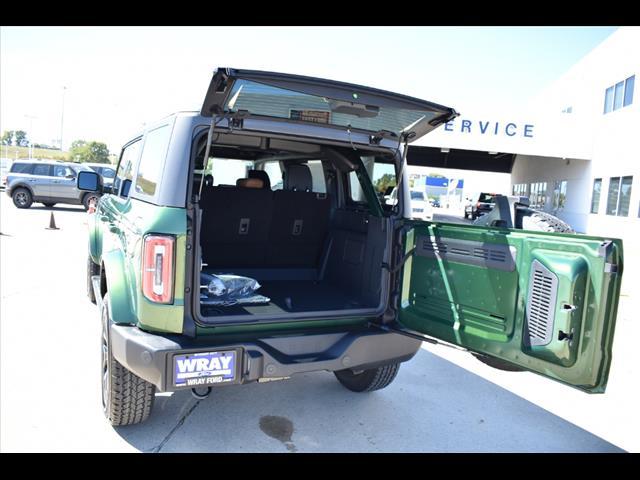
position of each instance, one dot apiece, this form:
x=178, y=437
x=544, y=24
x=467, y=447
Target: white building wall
x=531, y=169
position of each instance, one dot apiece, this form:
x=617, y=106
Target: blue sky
x=118, y=78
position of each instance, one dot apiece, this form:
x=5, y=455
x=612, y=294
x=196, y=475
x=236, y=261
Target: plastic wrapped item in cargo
x=228, y=289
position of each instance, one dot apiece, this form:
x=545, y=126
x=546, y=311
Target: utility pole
x=64, y=89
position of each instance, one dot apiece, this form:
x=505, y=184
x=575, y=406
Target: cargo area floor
x=291, y=296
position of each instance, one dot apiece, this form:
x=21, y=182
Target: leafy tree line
x=15, y=137
x=80, y=151
x=94, y=152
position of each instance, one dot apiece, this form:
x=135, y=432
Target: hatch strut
x=422, y=338
x=205, y=160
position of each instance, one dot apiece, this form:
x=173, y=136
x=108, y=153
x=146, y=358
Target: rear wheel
x=126, y=398
x=368, y=380
x=22, y=198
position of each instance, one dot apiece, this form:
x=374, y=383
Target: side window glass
x=125, y=169
x=152, y=160
x=275, y=175
x=317, y=176
x=62, y=171
x=41, y=170
x=355, y=189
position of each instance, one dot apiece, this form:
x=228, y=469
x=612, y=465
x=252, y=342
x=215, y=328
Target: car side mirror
x=89, y=181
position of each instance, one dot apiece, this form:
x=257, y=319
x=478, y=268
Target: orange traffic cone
x=52, y=223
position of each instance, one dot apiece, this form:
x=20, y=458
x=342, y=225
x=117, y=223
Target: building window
x=538, y=195
x=608, y=100
x=559, y=195
x=619, y=196
x=520, y=189
x=595, y=195
x=619, y=95
x=628, y=90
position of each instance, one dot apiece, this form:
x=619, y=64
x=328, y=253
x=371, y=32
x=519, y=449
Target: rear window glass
x=21, y=168
x=486, y=198
x=270, y=101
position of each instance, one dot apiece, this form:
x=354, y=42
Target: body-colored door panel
x=63, y=184
x=40, y=181
x=546, y=302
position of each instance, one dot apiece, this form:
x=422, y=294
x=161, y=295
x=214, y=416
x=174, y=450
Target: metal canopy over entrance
x=460, y=159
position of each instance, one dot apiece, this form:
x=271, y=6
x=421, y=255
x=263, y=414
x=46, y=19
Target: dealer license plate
x=205, y=368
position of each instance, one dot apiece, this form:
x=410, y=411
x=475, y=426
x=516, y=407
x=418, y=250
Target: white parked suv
x=421, y=207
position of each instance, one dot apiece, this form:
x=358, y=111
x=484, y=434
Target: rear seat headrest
x=208, y=180
x=298, y=177
x=250, y=183
x=261, y=175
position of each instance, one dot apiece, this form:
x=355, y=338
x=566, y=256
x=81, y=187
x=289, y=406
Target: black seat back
x=300, y=222
x=235, y=226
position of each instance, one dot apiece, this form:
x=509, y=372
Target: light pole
x=64, y=89
x=30, y=117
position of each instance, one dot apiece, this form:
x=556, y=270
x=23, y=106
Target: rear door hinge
x=611, y=268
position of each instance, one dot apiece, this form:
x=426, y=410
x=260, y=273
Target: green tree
x=21, y=138
x=7, y=137
x=92, y=152
x=385, y=181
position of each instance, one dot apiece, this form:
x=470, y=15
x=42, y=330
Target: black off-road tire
x=544, y=222
x=22, y=197
x=49, y=205
x=92, y=269
x=368, y=380
x=126, y=398
x=86, y=200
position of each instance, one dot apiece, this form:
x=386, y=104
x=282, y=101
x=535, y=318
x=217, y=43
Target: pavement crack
x=174, y=429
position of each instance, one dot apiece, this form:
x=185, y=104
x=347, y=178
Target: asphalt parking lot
x=442, y=401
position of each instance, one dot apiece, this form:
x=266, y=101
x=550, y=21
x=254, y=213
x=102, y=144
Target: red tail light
x=157, y=268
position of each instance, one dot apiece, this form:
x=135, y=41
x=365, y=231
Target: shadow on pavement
x=432, y=406
x=78, y=209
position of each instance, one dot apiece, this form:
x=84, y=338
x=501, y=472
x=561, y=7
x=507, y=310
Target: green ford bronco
x=251, y=241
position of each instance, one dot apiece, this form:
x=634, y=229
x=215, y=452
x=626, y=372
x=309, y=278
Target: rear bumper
x=150, y=356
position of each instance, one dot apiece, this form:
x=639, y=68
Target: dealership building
x=575, y=151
